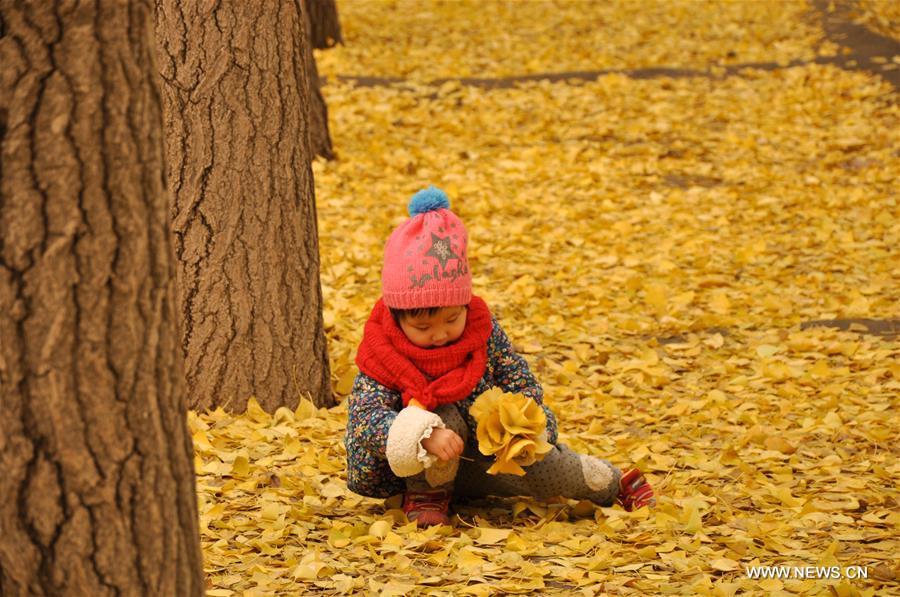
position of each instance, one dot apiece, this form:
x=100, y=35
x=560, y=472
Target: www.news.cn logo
x=806, y=572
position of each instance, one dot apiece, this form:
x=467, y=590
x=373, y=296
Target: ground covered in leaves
x=881, y=15
x=654, y=248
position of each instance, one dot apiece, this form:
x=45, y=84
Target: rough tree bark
x=319, y=135
x=97, y=496
x=236, y=95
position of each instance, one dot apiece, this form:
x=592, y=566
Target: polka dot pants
x=561, y=473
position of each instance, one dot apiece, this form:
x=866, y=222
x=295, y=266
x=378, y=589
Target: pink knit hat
x=425, y=261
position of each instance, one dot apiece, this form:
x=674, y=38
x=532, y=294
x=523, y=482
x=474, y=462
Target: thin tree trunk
x=326, y=27
x=97, y=496
x=237, y=98
x=319, y=135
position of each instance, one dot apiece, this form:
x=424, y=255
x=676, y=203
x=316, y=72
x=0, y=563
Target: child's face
x=440, y=329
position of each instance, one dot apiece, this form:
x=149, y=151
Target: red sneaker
x=427, y=508
x=634, y=491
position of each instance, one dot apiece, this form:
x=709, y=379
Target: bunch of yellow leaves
x=512, y=428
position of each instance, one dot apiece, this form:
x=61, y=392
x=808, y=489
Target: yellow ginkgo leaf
x=519, y=447
x=505, y=466
x=486, y=403
x=512, y=428
x=494, y=428
x=514, y=418
x=491, y=434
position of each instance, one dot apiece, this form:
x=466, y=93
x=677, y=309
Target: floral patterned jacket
x=374, y=407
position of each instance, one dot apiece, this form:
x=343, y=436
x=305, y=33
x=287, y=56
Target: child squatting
x=429, y=349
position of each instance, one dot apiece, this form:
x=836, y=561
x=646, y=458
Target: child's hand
x=444, y=443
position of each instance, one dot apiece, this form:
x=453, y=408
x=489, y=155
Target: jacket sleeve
x=511, y=374
x=371, y=411
x=378, y=424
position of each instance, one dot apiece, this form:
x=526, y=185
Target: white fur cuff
x=404, y=452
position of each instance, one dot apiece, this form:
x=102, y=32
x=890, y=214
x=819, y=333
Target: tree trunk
x=236, y=111
x=97, y=496
x=319, y=135
x=326, y=27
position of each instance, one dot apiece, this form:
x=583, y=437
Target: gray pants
x=561, y=473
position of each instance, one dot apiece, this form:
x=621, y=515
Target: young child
x=428, y=340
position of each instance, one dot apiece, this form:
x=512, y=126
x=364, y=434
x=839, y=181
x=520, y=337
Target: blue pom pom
x=427, y=200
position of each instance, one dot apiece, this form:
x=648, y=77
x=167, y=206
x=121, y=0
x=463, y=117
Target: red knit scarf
x=433, y=376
